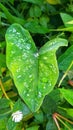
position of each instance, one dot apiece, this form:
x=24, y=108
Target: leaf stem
x=2, y=87
x=5, y=94
x=65, y=74
x=56, y=122
x=58, y=115
x=62, y=122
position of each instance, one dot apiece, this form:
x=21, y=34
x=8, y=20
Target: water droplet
x=39, y=94
x=26, y=85
x=24, y=92
x=18, y=70
x=45, y=58
x=20, y=45
x=24, y=55
x=14, y=30
x=30, y=90
x=18, y=33
x=28, y=46
x=36, y=54
x=30, y=76
x=50, y=84
x=27, y=95
x=44, y=87
x=19, y=76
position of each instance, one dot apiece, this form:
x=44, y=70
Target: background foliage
x=45, y=20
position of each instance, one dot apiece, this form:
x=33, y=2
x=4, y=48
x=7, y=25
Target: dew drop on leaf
x=19, y=76
x=27, y=95
x=14, y=30
x=39, y=94
x=34, y=76
x=28, y=46
x=36, y=54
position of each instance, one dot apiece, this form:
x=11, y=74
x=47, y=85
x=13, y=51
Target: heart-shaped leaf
x=34, y=71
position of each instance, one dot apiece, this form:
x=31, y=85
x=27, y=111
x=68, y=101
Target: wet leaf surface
x=35, y=72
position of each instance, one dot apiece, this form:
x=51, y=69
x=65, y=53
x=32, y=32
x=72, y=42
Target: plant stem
x=2, y=87
x=58, y=115
x=65, y=74
x=5, y=94
x=56, y=122
x=62, y=122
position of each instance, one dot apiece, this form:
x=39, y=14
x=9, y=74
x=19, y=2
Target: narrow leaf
x=68, y=95
x=67, y=19
x=54, y=2
x=33, y=128
x=10, y=17
x=66, y=59
x=34, y=1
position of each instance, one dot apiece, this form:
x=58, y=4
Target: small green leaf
x=68, y=95
x=19, y=106
x=34, y=1
x=4, y=103
x=2, y=61
x=67, y=19
x=44, y=21
x=54, y=2
x=66, y=59
x=35, y=72
x=39, y=117
x=11, y=125
x=68, y=29
x=3, y=124
x=10, y=17
x=69, y=111
x=37, y=27
x=4, y=113
x=33, y=128
x=50, y=100
x=35, y=11
x=51, y=125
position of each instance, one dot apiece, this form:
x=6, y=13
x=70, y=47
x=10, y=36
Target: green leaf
x=35, y=11
x=34, y=1
x=10, y=17
x=33, y=128
x=44, y=21
x=4, y=103
x=35, y=73
x=37, y=27
x=54, y=2
x=69, y=111
x=39, y=117
x=2, y=61
x=51, y=102
x=68, y=95
x=67, y=19
x=11, y=124
x=4, y=113
x=3, y=124
x=68, y=29
x=66, y=59
x=51, y=125
x=19, y=105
